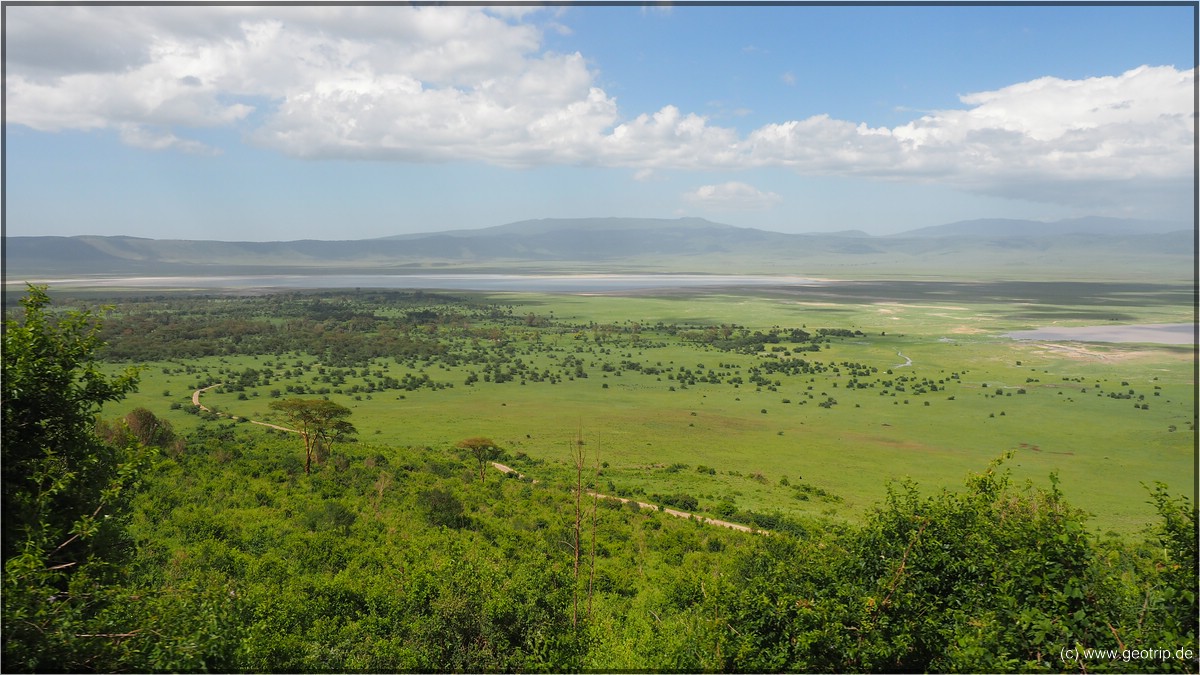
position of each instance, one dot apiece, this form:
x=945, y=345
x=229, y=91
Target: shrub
x=443, y=509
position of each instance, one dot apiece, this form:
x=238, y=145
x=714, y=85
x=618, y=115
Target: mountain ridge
x=632, y=245
x=606, y=223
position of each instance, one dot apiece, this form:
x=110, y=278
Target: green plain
x=1064, y=408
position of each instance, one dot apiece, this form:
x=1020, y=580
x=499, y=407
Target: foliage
x=402, y=568
x=1171, y=587
x=991, y=579
x=141, y=426
x=57, y=475
x=442, y=508
x=65, y=491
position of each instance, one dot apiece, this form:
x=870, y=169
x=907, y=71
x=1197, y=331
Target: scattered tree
x=483, y=449
x=142, y=426
x=318, y=421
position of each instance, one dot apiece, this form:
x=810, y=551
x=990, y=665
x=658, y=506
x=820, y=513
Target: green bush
x=443, y=509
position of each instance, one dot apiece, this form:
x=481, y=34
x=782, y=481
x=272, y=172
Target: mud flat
x=1158, y=333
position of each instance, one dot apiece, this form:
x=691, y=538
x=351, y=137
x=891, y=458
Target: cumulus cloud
x=732, y=196
x=432, y=84
x=1137, y=124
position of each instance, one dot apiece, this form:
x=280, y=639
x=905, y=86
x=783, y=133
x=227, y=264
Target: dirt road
x=196, y=402
x=196, y=395
x=506, y=469
x=678, y=514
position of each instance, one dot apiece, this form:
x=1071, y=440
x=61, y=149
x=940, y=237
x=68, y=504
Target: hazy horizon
x=1156, y=226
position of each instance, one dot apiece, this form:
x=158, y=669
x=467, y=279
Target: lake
x=544, y=283
x=1156, y=333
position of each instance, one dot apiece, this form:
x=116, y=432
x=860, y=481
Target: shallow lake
x=1157, y=333
x=545, y=283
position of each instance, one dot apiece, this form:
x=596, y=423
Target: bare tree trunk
x=308, y=453
x=384, y=482
x=578, y=457
x=592, y=554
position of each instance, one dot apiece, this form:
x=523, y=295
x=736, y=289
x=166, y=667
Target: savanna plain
x=916, y=490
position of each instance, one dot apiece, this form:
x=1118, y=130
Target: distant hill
x=1002, y=227
x=1077, y=248
x=541, y=226
x=594, y=240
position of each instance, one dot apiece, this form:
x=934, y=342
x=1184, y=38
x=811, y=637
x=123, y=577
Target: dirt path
x=196, y=396
x=507, y=469
x=678, y=514
x=685, y=514
x=196, y=402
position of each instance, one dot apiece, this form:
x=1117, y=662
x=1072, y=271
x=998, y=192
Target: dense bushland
x=229, y=557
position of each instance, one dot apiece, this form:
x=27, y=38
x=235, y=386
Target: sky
x=269, y=123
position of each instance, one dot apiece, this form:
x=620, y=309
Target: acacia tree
x=317, y=420
x=483, y=449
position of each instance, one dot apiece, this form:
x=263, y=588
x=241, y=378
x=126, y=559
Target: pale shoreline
x=581, y=282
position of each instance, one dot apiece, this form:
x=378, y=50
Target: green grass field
x=945, y=394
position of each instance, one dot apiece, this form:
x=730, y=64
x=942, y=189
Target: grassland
x=921, y=386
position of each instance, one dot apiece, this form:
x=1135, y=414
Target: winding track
x=196, y=396
x=673, y=512
x=196, y=402
x=505, y=469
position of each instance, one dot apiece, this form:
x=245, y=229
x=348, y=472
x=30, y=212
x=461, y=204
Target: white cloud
x=1136, y=124
x=465, y=83
x=668, y=139
x=788, y=78
x=732, y=196
x=157, y=139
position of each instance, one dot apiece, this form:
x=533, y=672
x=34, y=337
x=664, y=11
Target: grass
x=837, y=459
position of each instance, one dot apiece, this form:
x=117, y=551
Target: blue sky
x=275, y=123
